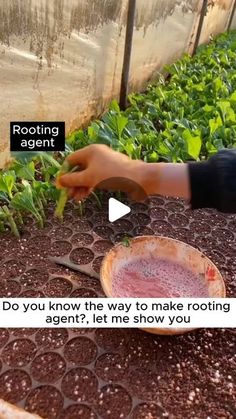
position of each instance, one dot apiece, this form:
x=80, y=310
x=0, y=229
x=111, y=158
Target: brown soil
x=139, y=207
x=148, y=410
x=96, y=265
x=81, y=226
x=14, y=385
x=76, y=411
x=121, y=236
x=80, y=351
x=111, y=339
x=22, y=332
x=220, y=233
x=45, y=401
x=61, y=233
x=156, y=201
x=60, y=248
x=174, y=206
x=142, y=230
x=158, y=213
x=81, y=239
x=99, y=218
x=141, y=219
x=9, y=289
x=58, y=287
x=4, y=336
x=80, y=385
x=103, y=231
x=200, y=227
x=101, y=246
x=51, y=338
x=84, y=293
x=161, y=227
x=40, y=242
x=122, y=225
x=114, y=401
x=111, y=367
x=19, y=353
x=34, y=278
x=11, y=269
x=178, y=220
x=114, y=373
x=32, y=294
x=48, y=367
x=81, y=256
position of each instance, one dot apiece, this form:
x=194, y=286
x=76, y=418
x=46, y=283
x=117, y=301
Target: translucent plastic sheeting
x=233, y=23
x=216, y=19
x=163, y=32
x=58, y=60
x=62, y=59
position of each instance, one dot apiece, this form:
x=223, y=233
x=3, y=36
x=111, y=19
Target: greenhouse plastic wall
x=62, y=59
x=216, y=19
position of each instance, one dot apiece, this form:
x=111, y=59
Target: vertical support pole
x=231, y=16
x=127, y=54
x=200, y=24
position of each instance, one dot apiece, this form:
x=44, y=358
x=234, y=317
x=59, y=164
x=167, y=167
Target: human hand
x=102, y=168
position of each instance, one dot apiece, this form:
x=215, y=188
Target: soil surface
x=114, y=373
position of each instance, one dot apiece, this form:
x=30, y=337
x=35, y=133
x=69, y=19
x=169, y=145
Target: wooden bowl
x=167, y=248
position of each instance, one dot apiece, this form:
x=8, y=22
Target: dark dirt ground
x=112, y=373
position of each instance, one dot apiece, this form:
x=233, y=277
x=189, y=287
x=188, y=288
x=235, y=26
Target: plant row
x=188, y=115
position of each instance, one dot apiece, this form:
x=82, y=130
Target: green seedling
x=98, y=200
x=10, y=220
x=81, y=209
x=7, y=181
x=24, y=203
x=189, y=116
x=126, y=241
x=63, y=196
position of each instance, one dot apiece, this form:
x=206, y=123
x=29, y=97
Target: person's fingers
x=79, y=158
x=75, y=180
x=81, y=193
x=72, y=192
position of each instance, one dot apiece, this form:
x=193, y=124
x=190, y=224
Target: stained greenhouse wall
x=62, y=59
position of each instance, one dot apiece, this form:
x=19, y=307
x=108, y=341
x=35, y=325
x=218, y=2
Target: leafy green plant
x=190, y=116
x=7, y=181
x=63, y=196
x=6, y=218
x=24, y=202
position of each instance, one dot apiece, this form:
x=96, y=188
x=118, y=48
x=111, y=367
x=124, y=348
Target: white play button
x=117, y=210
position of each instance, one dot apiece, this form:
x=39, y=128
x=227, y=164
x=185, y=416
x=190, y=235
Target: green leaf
x=93, y=131
x=23, y=201
x=27, y=156
x=193, y=144
x=218, y=84
x=214, y=124
x=126, y=241
x=26, y=171
x=24, y=156
x=121, y=122
x=61, y=203
x=211, y=148
x=114, y=106
x=208, y=108
x=152, y=157
x=7, y=181
x=4, y=197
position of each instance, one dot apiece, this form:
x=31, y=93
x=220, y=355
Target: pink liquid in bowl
x=157, y=278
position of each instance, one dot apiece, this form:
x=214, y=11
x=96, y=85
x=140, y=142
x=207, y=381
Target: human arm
x=203, y=184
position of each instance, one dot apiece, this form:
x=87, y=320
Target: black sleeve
x=213, y=183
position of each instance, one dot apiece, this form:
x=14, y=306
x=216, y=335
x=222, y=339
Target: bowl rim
x=159, y=331
x=140, y=238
